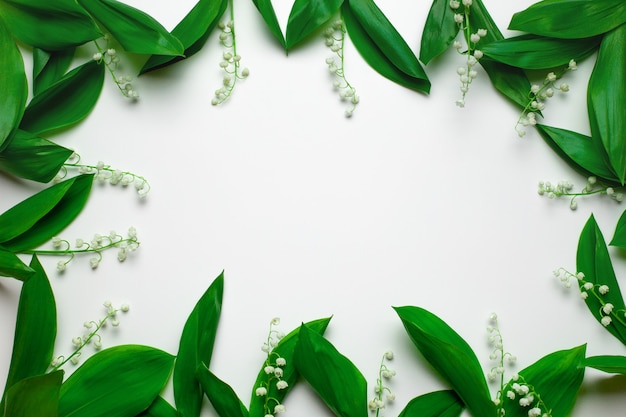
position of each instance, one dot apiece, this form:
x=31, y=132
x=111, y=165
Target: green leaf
x=135, y=30
x=619, y=237
x=581, y=152
x=570, y=19
x=222, y=396
x=608, y=364
x=269, y=15
x=540, y=52
x=121, y=381
x=49, y=67
x=450, y=356
x=65, y=102
x=196, y=347
x=375, y=57
x=606, y=98
x=12, y=266
x=159, y=408
x=307, y=16
x=592, y=259
x=556, y=377
x=35, y=328
x=434, y=404
x=284, y=349
x=49, y=25
x=192, y=32
x=439, y=32
x=13, y=87
x=35, y=396
x=333, y=376
x=40, y=217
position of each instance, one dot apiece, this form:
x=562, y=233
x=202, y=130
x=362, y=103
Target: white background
x=412, y=201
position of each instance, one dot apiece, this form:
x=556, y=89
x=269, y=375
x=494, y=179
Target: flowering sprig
x=109, y=57
x=467, y=73
x=538, y=96
x=273, y=368
x=382, y=391
x=93, y=328
x=565, y=188
x=334, y=39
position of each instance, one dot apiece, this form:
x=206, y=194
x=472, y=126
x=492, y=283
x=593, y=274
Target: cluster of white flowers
x=564, y=188
x=230, y=64
x=526, y=396
x=274, y=366
x=334, y=40
x=498, y=353
x=111, y=60
x=383, y=393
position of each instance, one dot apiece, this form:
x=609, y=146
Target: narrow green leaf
x=556, y=378
x=121, y=381
x=192, y=32
x=375, y=57
x=65, y=102
x=450, y=356
x=196, y=347
x=439, y=32
x=35, y=396
x=266, y=9
x=434, y=404
x=570, y=19
x=222, y=396
x=606, y=99
x=333, y=376
x=306, y=17
x=12, y=266
x=581, y=152
x=592, y=259
x=608, y=364
x=134, y=29
x=619, y=237
x=49, y=67
x=13, y=87
x=159, y=408
x=40, y=217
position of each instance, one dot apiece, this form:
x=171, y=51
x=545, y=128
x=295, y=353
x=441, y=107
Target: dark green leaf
x=196, y=347
x=135, y=30
x=12, y=266
x=267, y=12
x=451, y=357
x=606, y=98
x=608, y=364
x=333, y=376
x=306, y=17
x=439, y=32
x=375, y=57
x=192, y=32
x=67, y=101
x=434, y=404
x=570, y=19
x=159, y=408
x=121, y=381
x=619, y=237
x=40, y=217
x=35, y=396
x=49, y=67
x=222, y=396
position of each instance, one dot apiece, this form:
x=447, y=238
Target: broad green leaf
x=333, y=376
x=619, y=237
x=222, y=396
x=375, y=57
x=13, y=88
x=192, y=32
x=35, y=328
x=35, y=396
x=539, y=52
x=608, y=364
x=570, y=19
x=434, y=404
x=49, y=67
x=592, y=259
x=49, y=25
x=284, y=349
x=12, y=266
x=196, y=347
x=582, y=152
x=134, y=29
x=306, y=17
x=269, y=15
x=606, y=99
x=33, y=158
x=439, y=32
x=556, y=378
x=121, y=381
x=65, y=102
x=450, y=356
x=159, y=408
x=40, y=217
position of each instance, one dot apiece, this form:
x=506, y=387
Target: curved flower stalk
x=110, y=59
x=335, y=37
x=592, y=187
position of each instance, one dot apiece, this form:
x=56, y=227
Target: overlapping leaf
x=49, y=67
x=12, y=266
x=434, y=404
x=13, y=88
x=35, y=396
x=607, y=363
x=266, y=9
x=619, y=237
x=159, y=408
x=439, y=31
x=222, y=396
x=306, y=17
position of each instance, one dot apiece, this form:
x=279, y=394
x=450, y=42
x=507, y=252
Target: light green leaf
x=35, y=396
x=439, y=32
x=121, y=381
x=222, y=396
x=269, y=15
x=196, y=347
x=12, y=266
x=306, y=17
x=159, y=408
x=608, y=364
x=619, y=237
x=13, y=87
x=434, y=404
x=49, y=67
